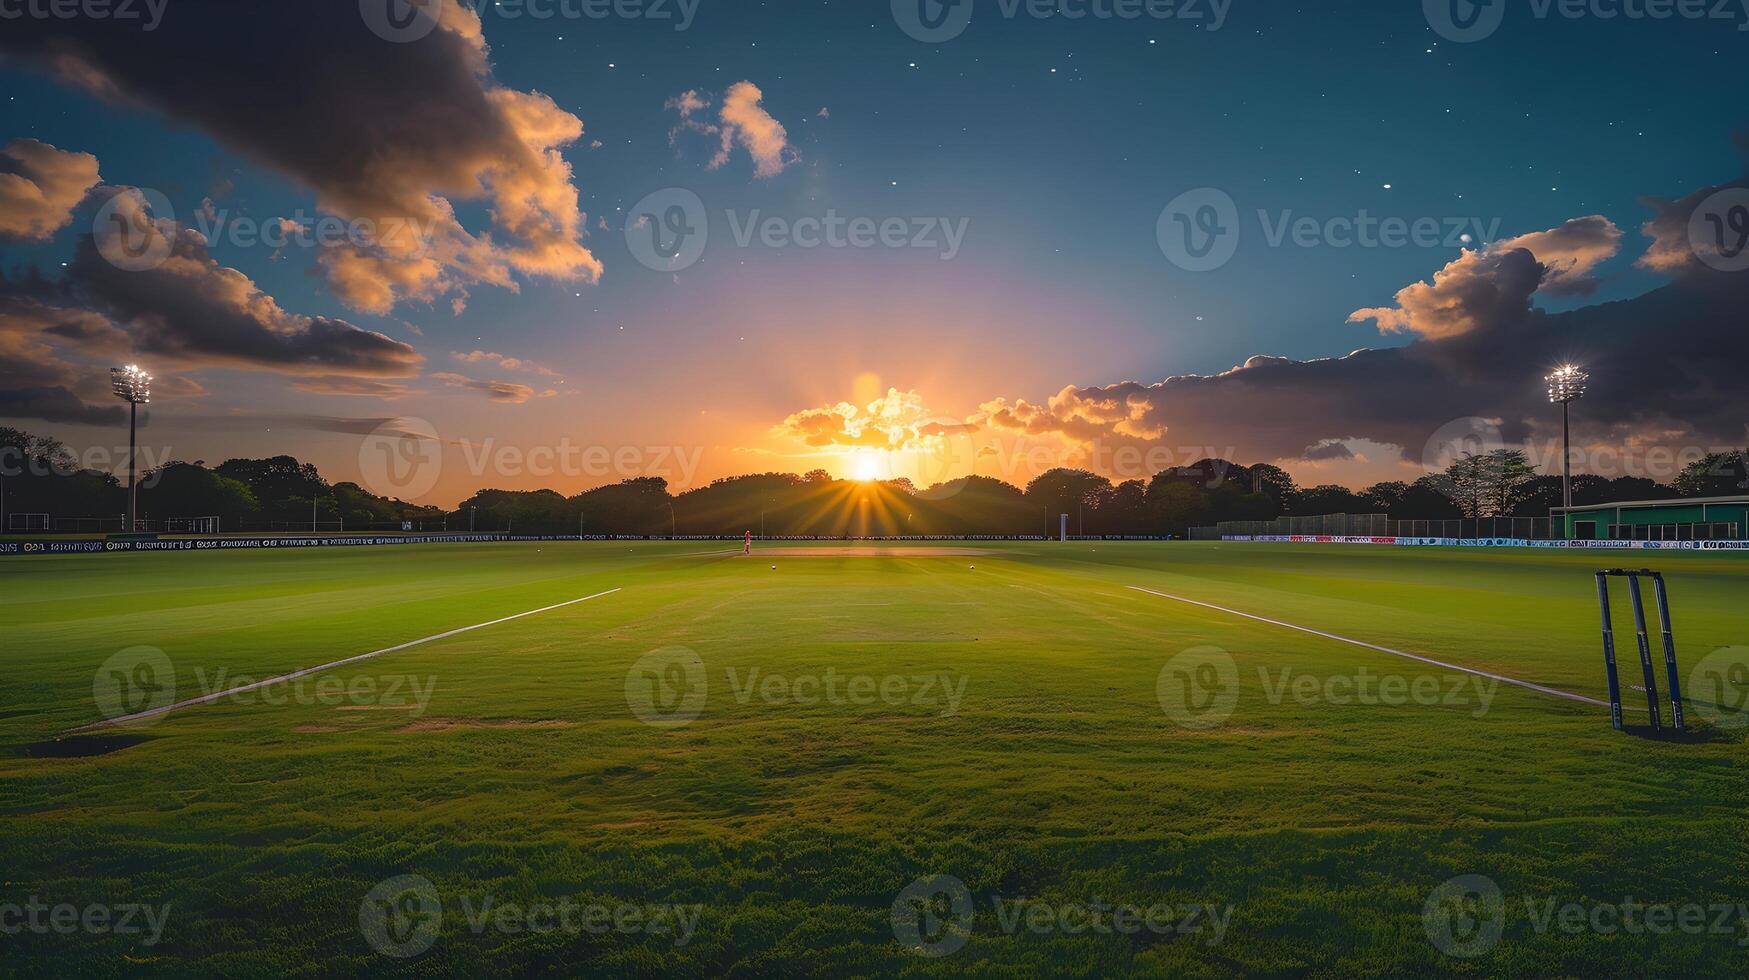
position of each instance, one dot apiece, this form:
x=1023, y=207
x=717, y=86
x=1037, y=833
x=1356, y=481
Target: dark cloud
x=391, y=426
x=1327, y=450
x=1678, y=246
x=195, y=312
x=36, y=382
x=57, y=337
x=1666, y=371
x=56, y=404
x=393, y=133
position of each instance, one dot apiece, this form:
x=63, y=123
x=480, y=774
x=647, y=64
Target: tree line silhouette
x=40, y=475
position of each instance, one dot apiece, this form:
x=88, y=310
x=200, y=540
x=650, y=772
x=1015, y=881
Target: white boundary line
x=294, y=675
x=1553, y=692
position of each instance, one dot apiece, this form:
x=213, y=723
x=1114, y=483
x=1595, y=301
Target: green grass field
x=864, y=722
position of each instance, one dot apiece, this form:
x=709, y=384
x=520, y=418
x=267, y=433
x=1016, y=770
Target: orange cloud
x=389, y=145
x=503, y=392
x=741, y=120
x=1083, y=415
x=356, y=387
x=40, y=186
x=898, y=420
x=504, y=361
x=1498, y=281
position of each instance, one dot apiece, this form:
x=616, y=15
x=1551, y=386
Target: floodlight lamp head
x=1567, y=384
x=131, y=384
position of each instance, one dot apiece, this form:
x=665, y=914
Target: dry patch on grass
x=1223, y=730
x=315, y=729
x=465, y=724
x=872, y=552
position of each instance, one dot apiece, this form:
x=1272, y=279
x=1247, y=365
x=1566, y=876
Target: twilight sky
x=329, y=225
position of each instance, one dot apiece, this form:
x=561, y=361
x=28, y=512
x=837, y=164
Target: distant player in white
x=747, y=549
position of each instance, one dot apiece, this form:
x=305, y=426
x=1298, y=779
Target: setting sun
x=865, y=466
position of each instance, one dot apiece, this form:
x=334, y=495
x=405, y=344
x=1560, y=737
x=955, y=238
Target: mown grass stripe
x=1502, y=678
x=294, y=675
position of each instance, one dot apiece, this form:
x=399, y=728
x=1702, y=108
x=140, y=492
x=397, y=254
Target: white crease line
x=1554, y=692
x=1685, y=697
x=294, y=675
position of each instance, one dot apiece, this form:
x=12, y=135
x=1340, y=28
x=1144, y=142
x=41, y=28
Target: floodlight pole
x=1566, y=385
x=133, y=484
x=1566, y=455
x=134, y=386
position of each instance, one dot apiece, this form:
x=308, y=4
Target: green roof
x=1641, y=504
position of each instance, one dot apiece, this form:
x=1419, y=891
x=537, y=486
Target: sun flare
x=865, y=467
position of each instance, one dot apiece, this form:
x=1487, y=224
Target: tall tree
x=1715, y=475
x=1466, y=480
x=1508, y=473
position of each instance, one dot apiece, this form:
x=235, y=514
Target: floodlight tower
x=132, y=385
x=1566, y=386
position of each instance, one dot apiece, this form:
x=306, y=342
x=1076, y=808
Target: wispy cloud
x=742, y=120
